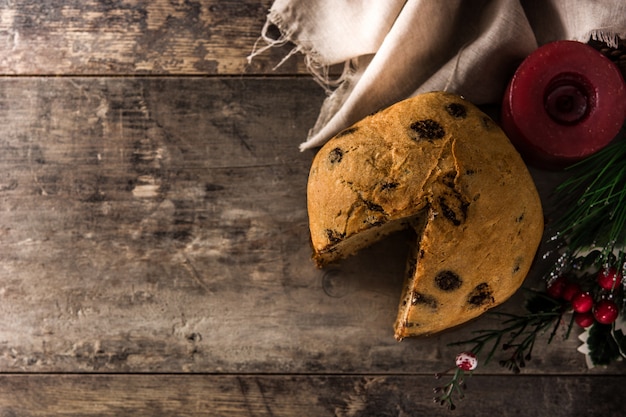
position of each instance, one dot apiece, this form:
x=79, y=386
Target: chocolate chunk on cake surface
x=437, y=164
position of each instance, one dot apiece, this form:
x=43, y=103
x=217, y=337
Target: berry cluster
x=592, y=300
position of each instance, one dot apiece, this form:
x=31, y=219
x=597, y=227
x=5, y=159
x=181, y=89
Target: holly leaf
x=620, y=339
x=602, y=347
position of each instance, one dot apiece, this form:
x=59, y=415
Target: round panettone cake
x=437, y=164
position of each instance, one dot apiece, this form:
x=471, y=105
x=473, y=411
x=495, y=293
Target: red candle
x=565, y=102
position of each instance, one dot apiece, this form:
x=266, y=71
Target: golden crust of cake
x=435, y=163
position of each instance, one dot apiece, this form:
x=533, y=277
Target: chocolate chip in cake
x=456, y=110
x=448, y=213
x=480, y=295
x=453, y=208
x=488, y=123
x=428, y=129
x=346, y=132
x=448, y=179
x=334, y=236
x=371, y=206
x=518, y=264
x=448, y=281
x=389, y=186
x=335, y=156
x=428, y=300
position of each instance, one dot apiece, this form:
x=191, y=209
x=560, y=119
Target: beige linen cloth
x=393, y=49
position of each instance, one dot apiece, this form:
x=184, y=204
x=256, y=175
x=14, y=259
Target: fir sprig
x=594, y=202
x=453, y=388
x=518, y=335
x=519, y=332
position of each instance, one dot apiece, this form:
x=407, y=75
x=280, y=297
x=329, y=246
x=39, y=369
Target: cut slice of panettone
x=437, y=164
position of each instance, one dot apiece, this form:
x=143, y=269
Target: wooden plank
x=90, y=37
x=140, y=217
x=260, y=395
x=159, y=224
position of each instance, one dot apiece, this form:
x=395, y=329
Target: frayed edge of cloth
x=273, y=19
x=608, y=36
x=320, y=72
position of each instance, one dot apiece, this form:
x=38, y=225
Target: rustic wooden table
x=154, y=245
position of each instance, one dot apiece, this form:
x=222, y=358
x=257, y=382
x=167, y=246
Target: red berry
x=609, y=278
x=555, y=289
x=565, y=102
x=605, y=312
x=570, y=290
x=582, y=302
x=584, y=319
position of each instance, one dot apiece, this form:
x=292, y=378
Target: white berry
x=466, y=361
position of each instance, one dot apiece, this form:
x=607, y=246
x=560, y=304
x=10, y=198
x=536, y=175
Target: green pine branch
x=594, y=202
x=518, y=333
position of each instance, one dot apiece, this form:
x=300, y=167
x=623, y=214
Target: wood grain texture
x=134, y=211
x=90, y=37
x=154, y=248
x=292, y=395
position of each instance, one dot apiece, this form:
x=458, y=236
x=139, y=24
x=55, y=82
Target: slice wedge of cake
x=437, y=164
